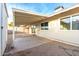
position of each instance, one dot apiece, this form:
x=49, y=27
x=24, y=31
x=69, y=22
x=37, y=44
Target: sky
x=39, y=8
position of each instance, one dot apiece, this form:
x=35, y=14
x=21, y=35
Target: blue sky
x=40, y=8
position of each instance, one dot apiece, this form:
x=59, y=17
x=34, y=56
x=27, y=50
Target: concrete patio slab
x=32, y=45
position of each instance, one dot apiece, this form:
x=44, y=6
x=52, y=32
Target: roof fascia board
x=4, y=5
x=64, y=10
x=29, y=12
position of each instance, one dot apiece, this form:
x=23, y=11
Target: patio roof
x=25, y=17
x=65, y=12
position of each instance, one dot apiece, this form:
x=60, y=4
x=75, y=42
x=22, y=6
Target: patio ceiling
x=22, y=17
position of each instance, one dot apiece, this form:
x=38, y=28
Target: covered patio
x=26, y=44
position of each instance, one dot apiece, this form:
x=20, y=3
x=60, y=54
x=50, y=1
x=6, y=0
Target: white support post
x=59, y=24
x=13, y=30
x=70, y=22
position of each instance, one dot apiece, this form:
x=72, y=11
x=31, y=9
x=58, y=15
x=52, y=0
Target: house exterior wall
x=4, y=32
x=54, y=33
x=69, y=37
x=54, y=25
x=4, y=29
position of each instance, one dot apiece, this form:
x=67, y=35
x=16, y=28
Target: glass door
x=33, y=29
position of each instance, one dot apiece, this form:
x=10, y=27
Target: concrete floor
x=31, y=45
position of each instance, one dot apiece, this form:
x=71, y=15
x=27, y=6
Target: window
x=75, y=22
x=65, y=23
x=70, y=22
x=44, y=26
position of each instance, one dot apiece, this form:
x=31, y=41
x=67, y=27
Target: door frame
x=0, y=29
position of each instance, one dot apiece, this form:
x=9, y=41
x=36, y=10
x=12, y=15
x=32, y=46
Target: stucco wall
x=4, y=30
x=54, y=33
